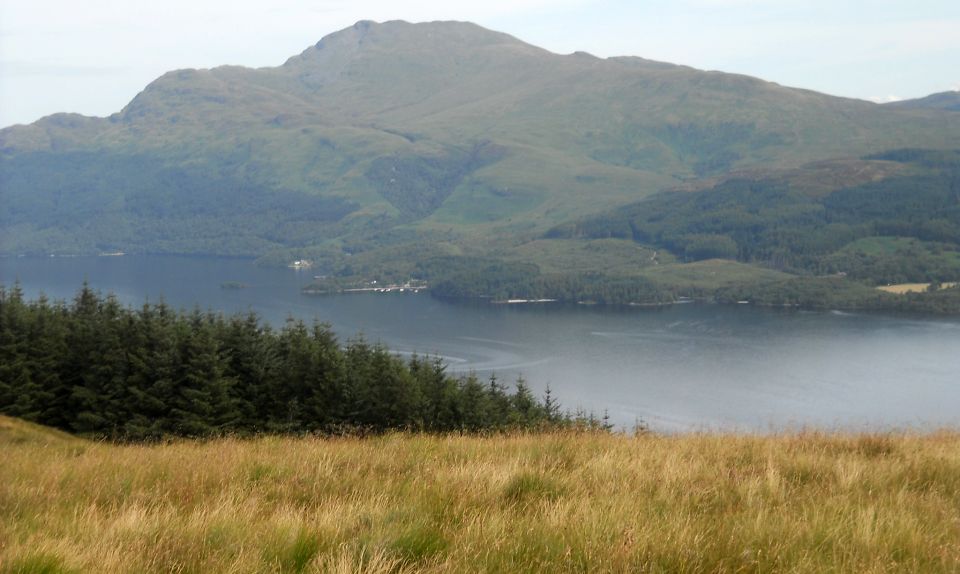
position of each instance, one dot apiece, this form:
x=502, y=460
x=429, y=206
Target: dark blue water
x=684, y=367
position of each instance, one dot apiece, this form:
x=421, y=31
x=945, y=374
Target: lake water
x=679, y=368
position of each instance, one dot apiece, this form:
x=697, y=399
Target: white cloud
x=20, y=69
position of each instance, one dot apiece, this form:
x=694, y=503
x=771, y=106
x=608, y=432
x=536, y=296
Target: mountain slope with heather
x=386, y=146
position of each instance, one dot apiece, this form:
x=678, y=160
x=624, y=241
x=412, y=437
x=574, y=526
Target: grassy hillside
x=530, y=503
x=20, y=432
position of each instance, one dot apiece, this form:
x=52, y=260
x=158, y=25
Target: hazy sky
x=93, y=56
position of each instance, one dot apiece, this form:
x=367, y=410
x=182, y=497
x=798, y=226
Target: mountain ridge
x=949, y=100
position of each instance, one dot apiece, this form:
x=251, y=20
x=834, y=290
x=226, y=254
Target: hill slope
x=15, y=431
x=529, y=503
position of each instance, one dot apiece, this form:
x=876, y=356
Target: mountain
x=949, y=101
x=387, y=145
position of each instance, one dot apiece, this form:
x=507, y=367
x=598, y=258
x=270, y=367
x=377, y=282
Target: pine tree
x=251, y=361
x=551, y=408
x=475, y=407
x=439, y=391
x=46, y=347
x=524, y=405
x=17, y=393
x=199, y=388
x=326, y=392
x=499, y=404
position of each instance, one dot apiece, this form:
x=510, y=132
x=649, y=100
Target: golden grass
x=902, y=288
x=569, y=502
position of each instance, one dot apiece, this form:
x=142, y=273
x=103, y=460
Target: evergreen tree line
x=96, y=367
x=594, y=287
x=838, y=293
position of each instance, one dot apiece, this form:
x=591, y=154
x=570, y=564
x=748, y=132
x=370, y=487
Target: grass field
x=902, y=288
x=529, y=503
x=614, y=256
x=711, y=274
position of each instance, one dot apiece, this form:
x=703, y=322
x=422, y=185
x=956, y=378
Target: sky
x=93, y=56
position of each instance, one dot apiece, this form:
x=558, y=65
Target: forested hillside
x=839, y=240
x=904, y=228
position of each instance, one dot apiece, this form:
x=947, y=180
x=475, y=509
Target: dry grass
x=545, y=503
x=902, y=288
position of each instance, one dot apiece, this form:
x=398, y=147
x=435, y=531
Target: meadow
x=902, y=288
x=554, y=502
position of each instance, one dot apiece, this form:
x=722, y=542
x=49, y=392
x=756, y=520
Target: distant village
x=326, y=286
x=300, y=264
x=411, y=286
